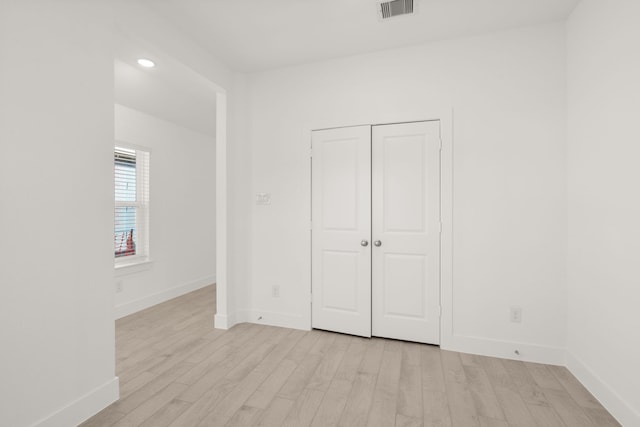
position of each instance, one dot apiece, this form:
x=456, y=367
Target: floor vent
x=389, y=9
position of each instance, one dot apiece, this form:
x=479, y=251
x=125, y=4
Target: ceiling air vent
x=389, y=9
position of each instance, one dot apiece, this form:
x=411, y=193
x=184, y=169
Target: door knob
x=364, y=243
x=377, y=243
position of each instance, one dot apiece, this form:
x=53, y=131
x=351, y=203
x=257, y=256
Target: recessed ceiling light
x=147, y=63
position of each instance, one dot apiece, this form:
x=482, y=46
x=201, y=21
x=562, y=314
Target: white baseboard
x=272, y=318
x=128, y=308
x=84, y=407
x=504, y=349
x=611, y=400
x=222, y=321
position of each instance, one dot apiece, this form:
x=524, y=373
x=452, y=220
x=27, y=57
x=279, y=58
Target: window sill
x=132, y=267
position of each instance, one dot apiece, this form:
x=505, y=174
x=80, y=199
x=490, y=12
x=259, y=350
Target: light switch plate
x=263, y=198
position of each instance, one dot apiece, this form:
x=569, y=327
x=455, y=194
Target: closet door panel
x=406, y=225
x=341, y=229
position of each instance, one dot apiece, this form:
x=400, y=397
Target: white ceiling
x=167, y=91
x=251, y=35
x=166, y=95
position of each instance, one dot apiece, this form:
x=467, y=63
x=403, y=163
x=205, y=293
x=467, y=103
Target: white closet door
x=341, y=228
x=406, y=225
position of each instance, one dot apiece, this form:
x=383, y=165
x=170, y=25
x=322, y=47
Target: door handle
x=364, y=243
x=377, y=243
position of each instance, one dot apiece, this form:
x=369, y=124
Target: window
x=131, y=216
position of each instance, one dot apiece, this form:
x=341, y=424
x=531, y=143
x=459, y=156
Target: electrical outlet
x=119, y=286
x=263, y=198
x=516, y=315
x=275, y=291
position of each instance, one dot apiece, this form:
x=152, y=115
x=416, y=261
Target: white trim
x=136, y=265
x=446, y=224
x=620, y=409
x=222, y=295
x=506, y=349
x=273, y=318
x=160, y=297
x=222, y=321
x=130, y=145
x=84, y=407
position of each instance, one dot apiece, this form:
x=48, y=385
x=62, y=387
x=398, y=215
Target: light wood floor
x=176, y=370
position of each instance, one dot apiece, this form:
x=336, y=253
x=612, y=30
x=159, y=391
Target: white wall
x=507, y=91
x=604, y=207
x=56, y=212
x=182, y=214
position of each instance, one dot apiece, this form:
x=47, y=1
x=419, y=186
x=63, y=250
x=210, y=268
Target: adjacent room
x=337, y=213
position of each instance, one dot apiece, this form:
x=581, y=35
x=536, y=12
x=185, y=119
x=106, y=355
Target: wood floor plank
x=224, y=340
x=356, y=409
x=436, y=408
x=105, y=418
x=300, y=351
x=255, y=369
x=202, y=406
x=543, y=376
x=352, y=359
x=490, y=422
x=321, y=378
x=221, y=413
x=158, y=359
x=221, y=369
x=409, y=400
x=283, y=349
x=136, y=383
x=245, y=416
x=545, y=416
x=333, y=403
x=434, y=390
x=242, y=368
x=146, y=392
x=304, y=409
x=601, y=418
x=385, y=395
x=404, y=421
x=373, y=355
x=177, y=370
x=275, y=413
x=298, y=380
x=150, y=406
x=515, y=409
x=178, y=353
x=570, y=412
x=461, y=405
x=497, y=373
x=269, y=388
x=167, y=414
x=575, y=389
x=530, y=391
x=204, y=367
x=482, y=393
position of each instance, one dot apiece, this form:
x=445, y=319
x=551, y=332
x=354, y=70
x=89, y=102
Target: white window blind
x=131, y=216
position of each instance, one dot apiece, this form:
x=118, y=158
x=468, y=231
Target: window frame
x=142, y=205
